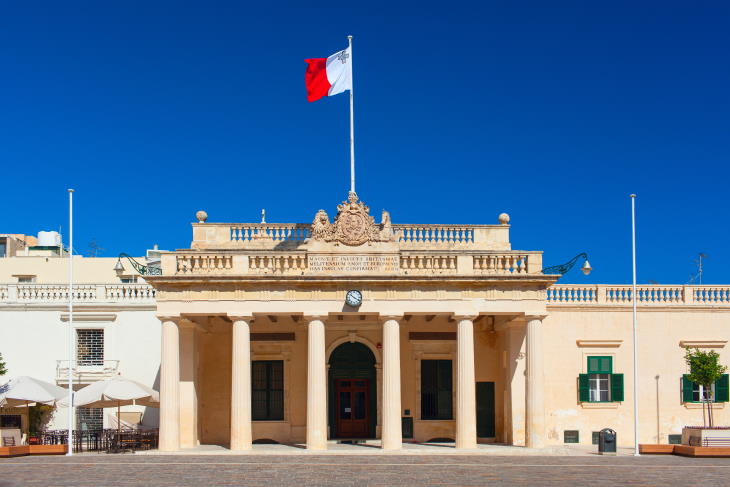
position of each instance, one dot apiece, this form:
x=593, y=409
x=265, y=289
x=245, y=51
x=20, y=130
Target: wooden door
x=352, y=407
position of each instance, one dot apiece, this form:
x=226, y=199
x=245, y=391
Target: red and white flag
x=328, y=76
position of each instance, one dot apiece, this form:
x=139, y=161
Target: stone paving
x=355, y=470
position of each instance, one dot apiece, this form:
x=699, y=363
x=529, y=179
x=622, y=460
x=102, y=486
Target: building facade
x=300, y=333
x=350, y=329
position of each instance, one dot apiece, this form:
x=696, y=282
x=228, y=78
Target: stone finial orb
x=504, y=218
x=201, y=216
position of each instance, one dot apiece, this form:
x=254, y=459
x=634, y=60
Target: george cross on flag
x=328, y=76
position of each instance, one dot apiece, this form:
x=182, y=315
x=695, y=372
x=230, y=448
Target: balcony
x=86, y=374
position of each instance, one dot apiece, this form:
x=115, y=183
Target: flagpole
x=633, y=301
x=352, y=121
x=70, y=321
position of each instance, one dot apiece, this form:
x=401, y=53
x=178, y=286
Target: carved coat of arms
x=353, y=224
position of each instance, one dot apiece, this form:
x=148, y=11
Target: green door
x=485, y=409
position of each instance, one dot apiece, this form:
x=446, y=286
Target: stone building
x=350, y=329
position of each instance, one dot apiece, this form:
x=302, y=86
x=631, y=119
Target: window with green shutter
x=600, y=384
x=693, y=392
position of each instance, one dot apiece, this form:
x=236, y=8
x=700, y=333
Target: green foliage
x=3, y=370
x=40, y=416
x=705, y=368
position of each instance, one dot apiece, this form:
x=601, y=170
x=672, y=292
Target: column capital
x=464, y=316
x=163, y=318
x=312, y=316
x=240, y=316
x=383, y=317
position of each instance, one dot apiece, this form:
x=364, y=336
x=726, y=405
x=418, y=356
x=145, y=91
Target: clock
x=353, y=298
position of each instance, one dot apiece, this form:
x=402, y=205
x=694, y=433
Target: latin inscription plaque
x=357, y=264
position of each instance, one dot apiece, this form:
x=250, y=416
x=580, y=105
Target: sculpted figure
x=321, y=226
x=386, y=232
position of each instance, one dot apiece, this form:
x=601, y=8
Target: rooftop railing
x=287, y=236
x=82, y=293
x=646, y=295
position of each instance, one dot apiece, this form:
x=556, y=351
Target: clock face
x=353, y=298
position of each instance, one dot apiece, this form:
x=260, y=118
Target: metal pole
x=633, y=302
x=70, y=321
x=352, y=121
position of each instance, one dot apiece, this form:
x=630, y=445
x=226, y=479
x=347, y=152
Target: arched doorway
x=352, y=392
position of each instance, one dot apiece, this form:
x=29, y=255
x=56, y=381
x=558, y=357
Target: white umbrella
x=116, y=392
x=24, y=390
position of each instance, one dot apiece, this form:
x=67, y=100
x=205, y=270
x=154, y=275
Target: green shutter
x=686, y=389
x=721, y=389
x=594, y=366
x=606, y=365
x=617, y=387
x=583, y=388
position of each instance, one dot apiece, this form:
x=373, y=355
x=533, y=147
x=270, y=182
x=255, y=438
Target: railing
x=652, y=295
x=276, y=232
x=103, y=369
x=82, y=293
x=290, y=236
x=501, y=264
x=296, y=262
x=428, y=264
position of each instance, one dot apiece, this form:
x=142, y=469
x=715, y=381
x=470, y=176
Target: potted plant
x=705, y=371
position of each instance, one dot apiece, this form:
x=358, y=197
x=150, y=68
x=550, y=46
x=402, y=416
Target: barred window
x=267, y=390
x=89, y=419
x=90, y=346
x=436, y=389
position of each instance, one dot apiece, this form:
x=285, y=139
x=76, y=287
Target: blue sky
x=551, y=111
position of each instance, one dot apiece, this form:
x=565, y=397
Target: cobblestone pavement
x=345, y=470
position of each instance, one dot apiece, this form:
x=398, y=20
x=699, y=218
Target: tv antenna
x=698, y=263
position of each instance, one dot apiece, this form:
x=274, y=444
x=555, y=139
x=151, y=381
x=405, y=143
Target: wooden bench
x=656, y=449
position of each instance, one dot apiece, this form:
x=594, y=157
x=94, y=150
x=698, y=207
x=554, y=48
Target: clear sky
x=551, y=111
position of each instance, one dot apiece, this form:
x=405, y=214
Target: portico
x=258, y=343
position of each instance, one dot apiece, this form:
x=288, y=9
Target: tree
x=3, y=370
x=705, y=370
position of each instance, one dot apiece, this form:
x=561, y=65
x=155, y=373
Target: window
x=10, y=420
x=128, y=279
x=26, y=279
x=600, y=384
x=89, y=419
x=693, y=392
x=3, y=247
x=267, y=390
x=90, y=346
x=436, y=389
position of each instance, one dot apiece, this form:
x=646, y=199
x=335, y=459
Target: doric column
x=466, y=412
x=534, y=402
x=392, y=437
x=316, y=386
x=188, y=384
x=241, y=384
x=170, y=387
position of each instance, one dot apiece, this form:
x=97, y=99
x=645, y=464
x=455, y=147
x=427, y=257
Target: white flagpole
x=633, y=301
x=70, y=322
x=352, y=121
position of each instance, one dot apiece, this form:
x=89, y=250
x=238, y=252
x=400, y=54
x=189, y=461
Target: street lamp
x=144, y=270
x=565, y=268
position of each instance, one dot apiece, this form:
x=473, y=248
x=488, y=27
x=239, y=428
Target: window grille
x=89, y=346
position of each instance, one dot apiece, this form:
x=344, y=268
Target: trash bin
x=607, y=442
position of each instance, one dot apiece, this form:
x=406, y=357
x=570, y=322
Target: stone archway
x=352, y=390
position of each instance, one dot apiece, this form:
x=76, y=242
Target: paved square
x=357, y=470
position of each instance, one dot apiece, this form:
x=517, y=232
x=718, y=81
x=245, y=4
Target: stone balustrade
x=289, y=236
x=182, y=263
x=86, y=374
x=646, y=295
x=82, y=293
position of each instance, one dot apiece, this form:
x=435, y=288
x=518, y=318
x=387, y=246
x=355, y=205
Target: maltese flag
x=328, y=76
